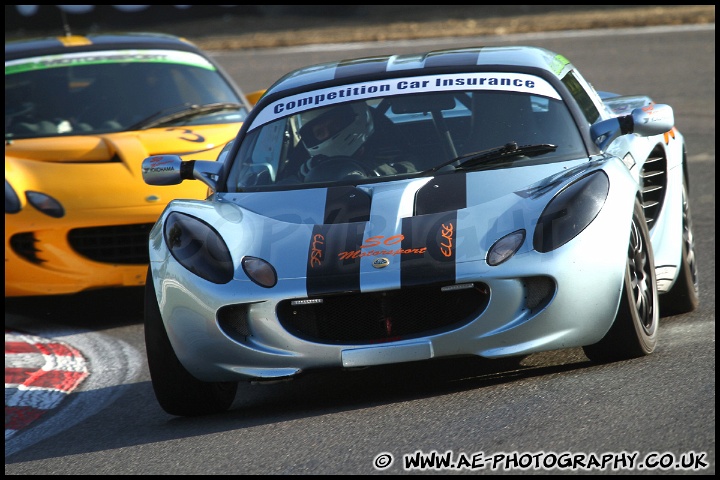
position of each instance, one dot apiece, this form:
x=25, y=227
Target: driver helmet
x=336, y=131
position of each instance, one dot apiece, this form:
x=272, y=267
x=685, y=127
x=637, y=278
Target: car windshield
x=104, y=92
x=397, y=133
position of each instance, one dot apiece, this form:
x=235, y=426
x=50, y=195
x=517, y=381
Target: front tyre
x=634, y=332
x=177, y=391
x=684, y=296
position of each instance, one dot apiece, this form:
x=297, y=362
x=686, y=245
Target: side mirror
x=172, y=170
x=650, y=120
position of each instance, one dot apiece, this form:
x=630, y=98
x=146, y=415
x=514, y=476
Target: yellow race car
x=81, y=113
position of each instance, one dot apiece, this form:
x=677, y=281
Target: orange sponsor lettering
x=316, y=252
x=384, y=253
x=378, y=240
x=447, y=233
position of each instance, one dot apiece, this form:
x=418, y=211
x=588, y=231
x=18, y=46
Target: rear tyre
x=177, y=391
x=634, y=332
x=684, y=295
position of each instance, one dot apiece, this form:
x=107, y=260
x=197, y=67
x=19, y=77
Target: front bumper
x=46, y=256
x=585, y=278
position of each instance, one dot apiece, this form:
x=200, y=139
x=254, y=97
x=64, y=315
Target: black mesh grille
x=123, y=244
x=383, y=316
x=233, y=320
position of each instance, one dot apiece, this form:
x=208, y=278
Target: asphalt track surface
x=41, y=372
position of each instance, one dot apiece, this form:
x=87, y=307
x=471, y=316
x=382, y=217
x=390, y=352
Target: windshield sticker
x=112, y=56
x=507, y=82
x=558, y=63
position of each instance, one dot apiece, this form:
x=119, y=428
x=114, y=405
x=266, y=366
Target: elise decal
x=447, y=245
x=316, y=250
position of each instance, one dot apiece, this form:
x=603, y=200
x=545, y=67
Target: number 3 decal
x=189, y=135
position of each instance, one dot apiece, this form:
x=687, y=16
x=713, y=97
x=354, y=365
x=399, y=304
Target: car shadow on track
x=92, y=310
x=313, y=394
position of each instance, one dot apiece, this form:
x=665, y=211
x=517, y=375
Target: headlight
x=12, y=201
x=198, y=247
x=570, y=212
x=46, y=204
x=259, y=271
x=505, y=248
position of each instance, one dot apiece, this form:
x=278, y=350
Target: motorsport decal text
x=318, y=242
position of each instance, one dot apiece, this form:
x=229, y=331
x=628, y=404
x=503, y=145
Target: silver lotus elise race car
x=472, y=202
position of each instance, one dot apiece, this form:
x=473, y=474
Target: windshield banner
x=114, y=56
x=507, y=82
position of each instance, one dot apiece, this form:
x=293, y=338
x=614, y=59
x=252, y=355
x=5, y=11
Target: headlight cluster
x=259, y=271
x=12, y=201
x=571, y=211
x=505, y=248
x=198, y=247
x=46, y=204
x=564, y=217
x=42, y=202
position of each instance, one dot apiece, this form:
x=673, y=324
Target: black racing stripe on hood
x=429, y=246
x=346, y=205
x=333, y=262
x=442, y=194
x=363, y=67
x=451, y=59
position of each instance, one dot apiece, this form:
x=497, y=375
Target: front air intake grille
x=23, y=244
x=369, y=318
x=120, y=244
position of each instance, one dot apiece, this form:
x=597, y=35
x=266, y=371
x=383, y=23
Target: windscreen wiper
x=182, y=112
x=494, y=155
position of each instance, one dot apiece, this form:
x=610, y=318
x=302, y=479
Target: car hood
x=110, y=147
x=104, y=171
x=406, y=231
x=431, y=225
x=412, y=197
